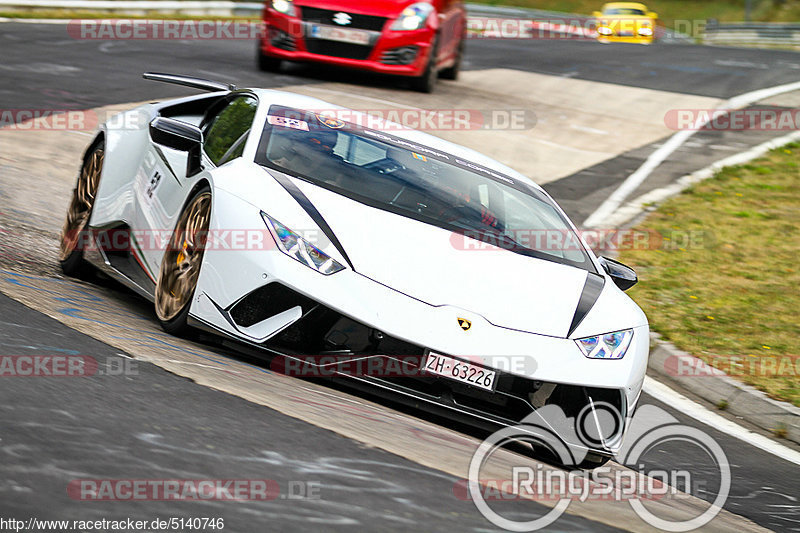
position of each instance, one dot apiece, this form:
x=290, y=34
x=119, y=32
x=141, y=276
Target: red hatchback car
x=420, y=40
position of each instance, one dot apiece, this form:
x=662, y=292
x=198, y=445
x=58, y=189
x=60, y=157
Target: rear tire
x=451, y=73
x=74, y=232
x=180, y=265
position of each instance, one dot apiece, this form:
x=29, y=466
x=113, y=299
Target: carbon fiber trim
x=591, y=292
x=312, y=211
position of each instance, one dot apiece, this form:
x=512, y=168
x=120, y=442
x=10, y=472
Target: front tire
x=267, y=63
x=589, y=462
x=593, y=460
x=74, y=232
x=427, y=81
x=180, y=265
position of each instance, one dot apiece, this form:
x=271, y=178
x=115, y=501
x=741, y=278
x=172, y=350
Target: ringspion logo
x=652, y=432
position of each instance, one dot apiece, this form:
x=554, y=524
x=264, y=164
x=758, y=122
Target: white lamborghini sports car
x=260, y=216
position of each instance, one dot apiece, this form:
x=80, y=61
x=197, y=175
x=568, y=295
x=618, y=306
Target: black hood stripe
x=591, y=292
x=312, y=211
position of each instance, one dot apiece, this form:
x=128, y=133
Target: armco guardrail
x=752, y=33
x=210, y=6
x=188, y=7
x=554, y=20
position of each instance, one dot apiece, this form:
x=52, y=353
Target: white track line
x=632, y=209
x=633, y=181
x=681, y=403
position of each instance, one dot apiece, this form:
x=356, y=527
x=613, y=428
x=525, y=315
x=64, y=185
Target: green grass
x=736, y=291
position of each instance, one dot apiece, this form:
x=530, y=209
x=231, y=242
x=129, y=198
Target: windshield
x=623, y=11
x=417, y=182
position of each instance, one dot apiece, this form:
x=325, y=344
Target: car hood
x=381, y=8
x=441, y=268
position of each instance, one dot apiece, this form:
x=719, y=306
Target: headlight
x=284, y=6
x=607, y=346
x=646, y=31
x=299, y=249
x=413, y=17
x=602, y=30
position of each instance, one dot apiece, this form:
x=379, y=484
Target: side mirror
x=652, y=15
x=623, y=276
x=180, y=136
x=597, y=14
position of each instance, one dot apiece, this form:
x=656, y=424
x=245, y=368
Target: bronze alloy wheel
x=180, y=266
x=81, y=205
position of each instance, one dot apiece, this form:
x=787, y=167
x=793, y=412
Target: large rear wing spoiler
x=189, y=81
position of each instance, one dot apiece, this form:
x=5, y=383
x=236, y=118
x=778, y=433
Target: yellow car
x=625, y=22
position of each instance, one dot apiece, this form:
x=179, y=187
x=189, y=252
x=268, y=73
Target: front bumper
x=389, y=52
x=625, y=39
x=321, y=342
x=269, y=300
x=626, y=31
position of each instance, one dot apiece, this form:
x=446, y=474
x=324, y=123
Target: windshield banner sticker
x=288, y=122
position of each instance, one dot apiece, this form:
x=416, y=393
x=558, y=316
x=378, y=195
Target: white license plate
x=458, y=370
x=342, y=35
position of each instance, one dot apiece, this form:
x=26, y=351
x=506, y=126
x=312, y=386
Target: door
x=162, y=184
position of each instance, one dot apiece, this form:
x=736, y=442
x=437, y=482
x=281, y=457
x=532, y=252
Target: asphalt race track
x=204, y=410
x=44, y=61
